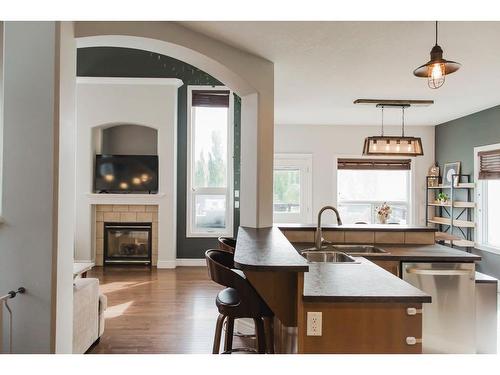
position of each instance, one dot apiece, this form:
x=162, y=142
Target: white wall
x=66, y=94
x=326, y=142
x=28, y=235
x=149, y=102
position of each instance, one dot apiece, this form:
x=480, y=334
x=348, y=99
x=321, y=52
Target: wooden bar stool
x=227, y=244
x=238, y=300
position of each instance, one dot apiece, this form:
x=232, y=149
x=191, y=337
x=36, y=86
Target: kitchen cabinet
x=392, y=266
x=364, y=327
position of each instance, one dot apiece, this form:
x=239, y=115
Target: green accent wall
x=455, y=141
x=128, y=62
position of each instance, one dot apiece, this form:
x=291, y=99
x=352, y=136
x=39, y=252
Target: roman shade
x=210, y=98
x=489, y=165
x=374, y=164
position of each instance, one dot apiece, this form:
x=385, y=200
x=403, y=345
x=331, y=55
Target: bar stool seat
x=238, y=300
x=227, y=298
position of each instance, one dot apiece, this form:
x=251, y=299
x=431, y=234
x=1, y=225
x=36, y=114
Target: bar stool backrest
x=227, y=244
x=219, y=265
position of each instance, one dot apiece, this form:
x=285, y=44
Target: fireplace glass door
x=127, y=243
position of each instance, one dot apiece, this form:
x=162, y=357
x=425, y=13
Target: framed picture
x=449, y=170
x=433, y=173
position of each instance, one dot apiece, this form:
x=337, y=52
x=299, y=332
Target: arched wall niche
x=126, y=139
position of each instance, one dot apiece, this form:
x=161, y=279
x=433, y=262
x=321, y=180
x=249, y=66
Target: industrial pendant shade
x=436, y=69
x=393, y=145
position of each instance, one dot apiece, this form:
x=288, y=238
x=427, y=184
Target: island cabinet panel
x=299, y=235
x=335, y=236
x=360, y=237
x=419, y=238
x=363, y=328
x=393, y=266
x=279, y=290
x=389, y=237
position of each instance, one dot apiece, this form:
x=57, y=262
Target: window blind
x=374, y=164
x=210, y=98
x=489, y=165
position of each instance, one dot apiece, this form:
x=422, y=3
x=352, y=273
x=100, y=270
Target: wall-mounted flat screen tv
x=126, y=174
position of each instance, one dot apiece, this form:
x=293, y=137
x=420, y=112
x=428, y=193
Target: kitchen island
x=365, y=307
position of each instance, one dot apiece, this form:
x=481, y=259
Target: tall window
x=292, y=188
x=363, y=185
x=209, y=212
x=487, y=173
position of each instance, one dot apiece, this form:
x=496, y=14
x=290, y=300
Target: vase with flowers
x=383, y=213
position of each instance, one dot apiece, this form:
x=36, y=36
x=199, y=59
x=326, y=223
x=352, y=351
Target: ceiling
x=321, y=67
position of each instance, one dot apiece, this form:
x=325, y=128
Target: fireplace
x=127, y=243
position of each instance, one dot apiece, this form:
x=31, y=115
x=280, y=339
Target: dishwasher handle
x=438, y=272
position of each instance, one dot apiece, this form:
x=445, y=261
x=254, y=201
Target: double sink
x=338, y=253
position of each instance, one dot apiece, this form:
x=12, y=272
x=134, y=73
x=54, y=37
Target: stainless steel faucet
x=319, y=235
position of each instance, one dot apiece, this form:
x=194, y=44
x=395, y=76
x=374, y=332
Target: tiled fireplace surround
x=122, y=213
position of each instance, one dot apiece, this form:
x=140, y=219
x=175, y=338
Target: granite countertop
x=266, y=249
x=359, y=227
x=357, y=282
x=423, y=253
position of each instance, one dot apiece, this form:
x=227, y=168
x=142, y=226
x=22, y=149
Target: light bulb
x=123, y=185
x=109, y=177
x=409, y=146
x=437, y=71
x=398, y=148
x=136, y=181
x=387, y=146
x=374, y=145
x=436, y=75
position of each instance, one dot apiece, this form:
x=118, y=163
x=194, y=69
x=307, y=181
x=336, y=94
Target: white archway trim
x=205, y=63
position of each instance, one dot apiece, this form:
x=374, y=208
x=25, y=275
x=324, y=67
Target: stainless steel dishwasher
x=449, y=321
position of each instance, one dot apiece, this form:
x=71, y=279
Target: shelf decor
x=433, y=175
x=442, y=198
x=449, y=170
x=453, y=217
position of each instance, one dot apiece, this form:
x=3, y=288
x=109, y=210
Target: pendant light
x=436, y=69
x=393, y=145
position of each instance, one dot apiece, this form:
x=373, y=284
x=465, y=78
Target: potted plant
x=442, y=198
x=383, y=213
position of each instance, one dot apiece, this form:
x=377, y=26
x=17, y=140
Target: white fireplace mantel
x=129, y=199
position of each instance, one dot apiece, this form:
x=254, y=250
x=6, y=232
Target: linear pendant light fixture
x=436, y=69
x=393, y=145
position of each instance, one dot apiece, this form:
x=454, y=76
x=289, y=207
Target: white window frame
x=303, y=162
x=411, y=189
x=481, y=215
x=191, y=231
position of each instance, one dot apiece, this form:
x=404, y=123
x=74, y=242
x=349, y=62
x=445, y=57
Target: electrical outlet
x=314, y=323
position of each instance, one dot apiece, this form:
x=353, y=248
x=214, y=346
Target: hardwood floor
x=158, y=311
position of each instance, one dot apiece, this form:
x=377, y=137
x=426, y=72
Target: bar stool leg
x=261, y=336
x=218, y=333
x=269, y=329
x=228, y=340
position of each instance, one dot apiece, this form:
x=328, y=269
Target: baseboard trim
x=168, y=264
x=185, y=262
x=181, y=262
